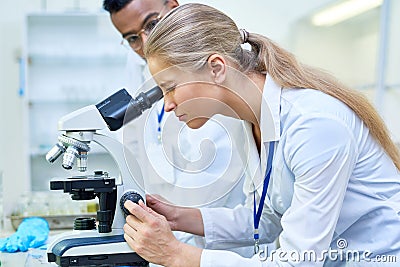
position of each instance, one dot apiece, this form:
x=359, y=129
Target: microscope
x=104, y=246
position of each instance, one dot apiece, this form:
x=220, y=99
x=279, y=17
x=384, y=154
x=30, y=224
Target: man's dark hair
x=113, y=6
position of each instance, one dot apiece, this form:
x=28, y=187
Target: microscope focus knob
x=132, y=196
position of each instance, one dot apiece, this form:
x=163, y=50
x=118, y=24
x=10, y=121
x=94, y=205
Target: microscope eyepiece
x=153, y=95
x=120, y=108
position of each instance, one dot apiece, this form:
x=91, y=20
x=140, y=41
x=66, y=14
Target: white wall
x=391, y=112
x=350, y=51
x=269, y=17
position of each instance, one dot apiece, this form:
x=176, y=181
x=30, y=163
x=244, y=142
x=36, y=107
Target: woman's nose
x=169, y=104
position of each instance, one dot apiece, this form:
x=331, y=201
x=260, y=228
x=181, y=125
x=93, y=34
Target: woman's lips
x=182, y=117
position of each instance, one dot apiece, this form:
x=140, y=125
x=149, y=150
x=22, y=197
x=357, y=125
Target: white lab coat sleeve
x=228, y=228
x=219, y=258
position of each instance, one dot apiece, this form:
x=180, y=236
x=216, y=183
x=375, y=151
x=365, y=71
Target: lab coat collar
x=270, y=123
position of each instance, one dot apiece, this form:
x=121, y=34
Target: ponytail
x=288, y=72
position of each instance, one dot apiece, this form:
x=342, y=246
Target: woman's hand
x=183, y=219
x=149, y=234
x=165, y=208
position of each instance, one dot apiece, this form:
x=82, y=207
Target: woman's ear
x=217, y=66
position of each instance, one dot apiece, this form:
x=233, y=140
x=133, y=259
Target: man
x=205, y=167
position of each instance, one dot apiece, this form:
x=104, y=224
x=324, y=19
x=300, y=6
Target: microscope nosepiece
x=55, y=152
x=81, y=161
x=69, y=156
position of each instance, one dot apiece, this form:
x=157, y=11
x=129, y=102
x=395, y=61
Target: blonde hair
x=189, y=34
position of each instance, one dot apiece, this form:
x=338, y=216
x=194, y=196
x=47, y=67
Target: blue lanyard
x=257, y=213
x=159, y=118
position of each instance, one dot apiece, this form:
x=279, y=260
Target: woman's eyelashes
x=170, y=89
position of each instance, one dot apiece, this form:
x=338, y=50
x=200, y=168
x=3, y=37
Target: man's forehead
x=143, y=6
x=131, y=18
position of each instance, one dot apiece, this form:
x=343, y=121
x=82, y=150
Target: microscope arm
x=129, y=170
x=85, y=119
x=123, y=158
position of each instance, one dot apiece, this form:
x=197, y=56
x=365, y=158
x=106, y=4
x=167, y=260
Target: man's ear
x=217, y=66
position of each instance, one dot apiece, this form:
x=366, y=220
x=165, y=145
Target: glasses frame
x=145, y=30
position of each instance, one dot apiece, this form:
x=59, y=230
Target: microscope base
x=131, y=260
x=94, y=251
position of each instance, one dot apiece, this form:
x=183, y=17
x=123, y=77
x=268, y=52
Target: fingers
x=132, y=225
x=141, y=204
x=150, y=198
x=130, y=240
x=139, y=211
x=151, y=211
x=143, y=216
x=154, y=199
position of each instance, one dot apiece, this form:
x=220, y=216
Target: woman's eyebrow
x=166, y=84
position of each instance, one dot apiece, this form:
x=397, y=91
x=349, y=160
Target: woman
x=331, y=189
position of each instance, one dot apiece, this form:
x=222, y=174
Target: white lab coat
x=207, y=168
x=332, y=186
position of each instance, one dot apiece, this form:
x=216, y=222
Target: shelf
x=68, y=102
x=51, y=16
x=76, y=59
x=366, y=87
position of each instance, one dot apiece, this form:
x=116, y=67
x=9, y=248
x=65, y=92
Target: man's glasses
x=134, y=40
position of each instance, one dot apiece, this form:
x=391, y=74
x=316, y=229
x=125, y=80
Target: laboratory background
x=60, y=55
